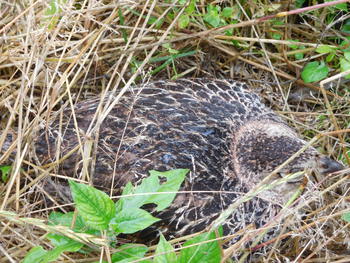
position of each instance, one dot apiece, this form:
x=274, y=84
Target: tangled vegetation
x=59, y=52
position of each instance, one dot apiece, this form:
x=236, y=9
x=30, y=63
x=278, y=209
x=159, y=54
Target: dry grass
x=43, y=68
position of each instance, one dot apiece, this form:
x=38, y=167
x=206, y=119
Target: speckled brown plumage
x=216, y=128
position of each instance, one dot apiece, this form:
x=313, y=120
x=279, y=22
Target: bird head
x=271, y=151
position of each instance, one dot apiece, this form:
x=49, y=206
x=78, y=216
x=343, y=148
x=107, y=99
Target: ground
x=55, y=53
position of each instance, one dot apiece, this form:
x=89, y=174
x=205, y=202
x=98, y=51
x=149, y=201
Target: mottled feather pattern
x=195, y=124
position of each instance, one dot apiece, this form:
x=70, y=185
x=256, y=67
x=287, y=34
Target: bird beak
x=327, y=165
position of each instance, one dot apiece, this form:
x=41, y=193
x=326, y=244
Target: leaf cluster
x=98, y=215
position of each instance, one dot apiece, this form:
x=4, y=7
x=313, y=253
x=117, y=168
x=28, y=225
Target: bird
x=217, y=128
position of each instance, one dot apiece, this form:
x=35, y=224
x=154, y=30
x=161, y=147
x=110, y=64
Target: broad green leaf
x=165, y=252
x=34, y=255
x=174, y=180
x=60, y=240
x=342, y=6
x=205, y=252
x=276, y=36
x=330, y=56
x=346, y=27
x=293, y=46
x=5, y=172
x=299, y=3
x=347, y=55
x=53, y=255
x=40, y=255
x=344, y=66
x=191, y=7
x=129, y=253
x=158, y=22
x=323, y=49
x=150, y=185
x=58, y=218
x=314, y=71
x=72, y=246
x=299, y=55
x=93, y=205
x=65, y=219
x=212, y=16
x=227, y=12
x=129, y=221
x=184, y=20
x=346, y=217
x=129, y=217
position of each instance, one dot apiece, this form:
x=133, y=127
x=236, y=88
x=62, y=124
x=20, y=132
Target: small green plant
x=314, y=71
x=299, y=55
x=337, y=57
x=53, y=12
x=5, y=172
x=99, y=216
x=185, y=18
x=217, y=17
x=346, y=217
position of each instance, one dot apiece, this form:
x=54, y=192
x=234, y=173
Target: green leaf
x=122, y=21
x=129, y=221
x=346, y=27
x=174, y=180
x=342, y=6
x=346, y=217
x=58, y=218
x=5, y=172
x=205, y=252
x=347, y=55
x=191, y=7
x=314, y=71
x=40, y=255
x=53, y=255
x=344, y=66
x=212, y=16
x=345, y=45
x=295, y=47
x=129, y=253
x=165, y=252
x=59, y=240
x=299, y=3
x=330, y=57
x=184, y=20
x=323, y=49
x=151, y=185
x=93, y=205
x=129, y=217
x=153, y=19
x=227, y=12
x=52, y=13
x=276, y=36
x=34, y=255
x=299, y=55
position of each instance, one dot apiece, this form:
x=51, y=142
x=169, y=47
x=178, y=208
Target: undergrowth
x=58, y=52
x=100, y=218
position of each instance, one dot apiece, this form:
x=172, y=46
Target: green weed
x=99, y=216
